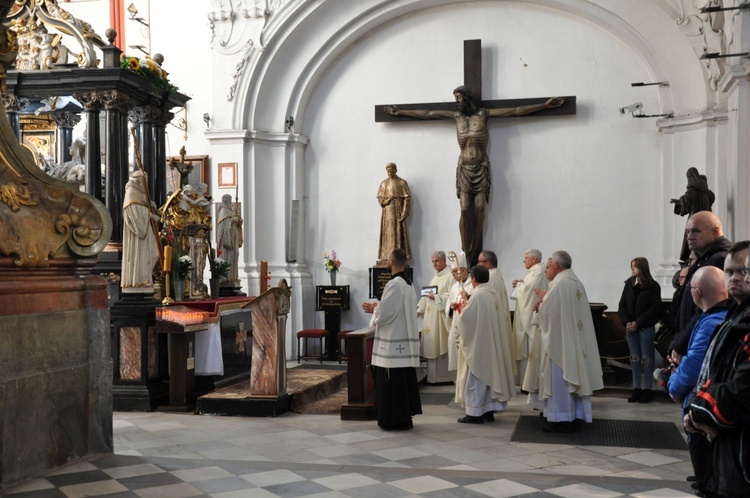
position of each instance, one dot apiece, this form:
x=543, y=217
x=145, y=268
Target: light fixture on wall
x=717, y=55
x=719, y=8
x=289, y=123
x=632, y=108
x=207, y=120
x=134, y=12
x=660, y=83
x=636, y=110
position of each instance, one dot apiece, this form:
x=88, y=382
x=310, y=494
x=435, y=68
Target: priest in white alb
x=431, y=307
x=525, y=323
x=484, y=382
x=460, y=290
x=570, y=369
x=488, y=259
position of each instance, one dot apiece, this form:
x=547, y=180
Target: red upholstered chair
x=304, y=335
x=342, y=345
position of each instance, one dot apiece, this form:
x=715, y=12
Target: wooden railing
x=360, y=380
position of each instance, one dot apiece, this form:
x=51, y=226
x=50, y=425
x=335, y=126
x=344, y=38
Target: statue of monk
x=395, y=199
x=698, y=197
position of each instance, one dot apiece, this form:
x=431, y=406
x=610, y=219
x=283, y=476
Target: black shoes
x=636, y=396
x=468, y=419
x=399, y=427
x=646, y=397
x=489, y=417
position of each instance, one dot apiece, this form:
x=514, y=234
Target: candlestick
x=167, y=258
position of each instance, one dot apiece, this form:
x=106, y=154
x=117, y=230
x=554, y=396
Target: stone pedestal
x=227, y=289
x=139, y=355
x=55, y=368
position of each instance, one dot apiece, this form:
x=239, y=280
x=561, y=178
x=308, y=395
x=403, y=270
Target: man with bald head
x=705, y=237
x=720, y=408
x=710, y=294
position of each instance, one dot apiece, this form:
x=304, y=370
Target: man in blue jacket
x=710, y=294
x=739, y=291
x=721, y=408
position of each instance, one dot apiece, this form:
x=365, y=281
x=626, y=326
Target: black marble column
x=93, y=155
x=143, y=119
x=13, y=106
x=159, y=194
x=115, y=159
x=65, y=122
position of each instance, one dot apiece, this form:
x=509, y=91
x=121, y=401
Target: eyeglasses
x=691, y=287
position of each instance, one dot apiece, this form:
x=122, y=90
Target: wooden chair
x=303, y=336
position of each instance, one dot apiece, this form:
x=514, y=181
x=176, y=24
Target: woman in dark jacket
x=639, y=311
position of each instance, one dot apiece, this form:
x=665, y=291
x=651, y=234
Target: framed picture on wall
x=227, y=175
x=196, y=172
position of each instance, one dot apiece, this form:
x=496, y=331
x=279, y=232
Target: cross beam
x=473, y=81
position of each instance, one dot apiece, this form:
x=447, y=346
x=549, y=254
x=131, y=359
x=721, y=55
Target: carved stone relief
x=706, y=34
x=237, y=27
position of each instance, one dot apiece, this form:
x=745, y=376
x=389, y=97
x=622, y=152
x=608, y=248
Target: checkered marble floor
x=173, y=455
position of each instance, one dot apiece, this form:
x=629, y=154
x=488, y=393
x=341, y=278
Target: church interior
x=275, y=115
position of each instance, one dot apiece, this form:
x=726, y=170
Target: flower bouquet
x=182, y=266
x=150, y=69
x=332, y=264
x=219, y=268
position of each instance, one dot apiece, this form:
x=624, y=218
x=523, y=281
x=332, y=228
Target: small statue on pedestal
x=139, y=244
x=229, y=235
x=395, y=199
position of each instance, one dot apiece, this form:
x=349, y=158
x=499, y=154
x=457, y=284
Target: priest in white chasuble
x=525, y=324
x=569, y=368
x=435, y=328
x=484, y=382
x=488, y=259
x=460, y=291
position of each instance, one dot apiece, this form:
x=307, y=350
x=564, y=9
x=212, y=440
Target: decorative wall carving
x=706, y=34
x=239, y=69
x=238, y=26
x=37, y=49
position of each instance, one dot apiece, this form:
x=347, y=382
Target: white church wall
x=590, y=184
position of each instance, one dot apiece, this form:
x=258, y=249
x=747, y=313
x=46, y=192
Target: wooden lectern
x=268, y=368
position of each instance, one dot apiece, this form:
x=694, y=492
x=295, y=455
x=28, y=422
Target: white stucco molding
x=356, y=19
x=736, y=74
x=706, y=34
x=234, y=22
x=670, y=125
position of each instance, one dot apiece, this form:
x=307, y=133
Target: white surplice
x=498, y=283
x=569, y=342
x=484, y=346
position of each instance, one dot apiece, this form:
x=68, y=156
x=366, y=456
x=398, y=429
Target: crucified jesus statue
x=473, y=171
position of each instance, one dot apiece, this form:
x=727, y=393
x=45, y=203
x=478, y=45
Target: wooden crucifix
x=471, y=115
